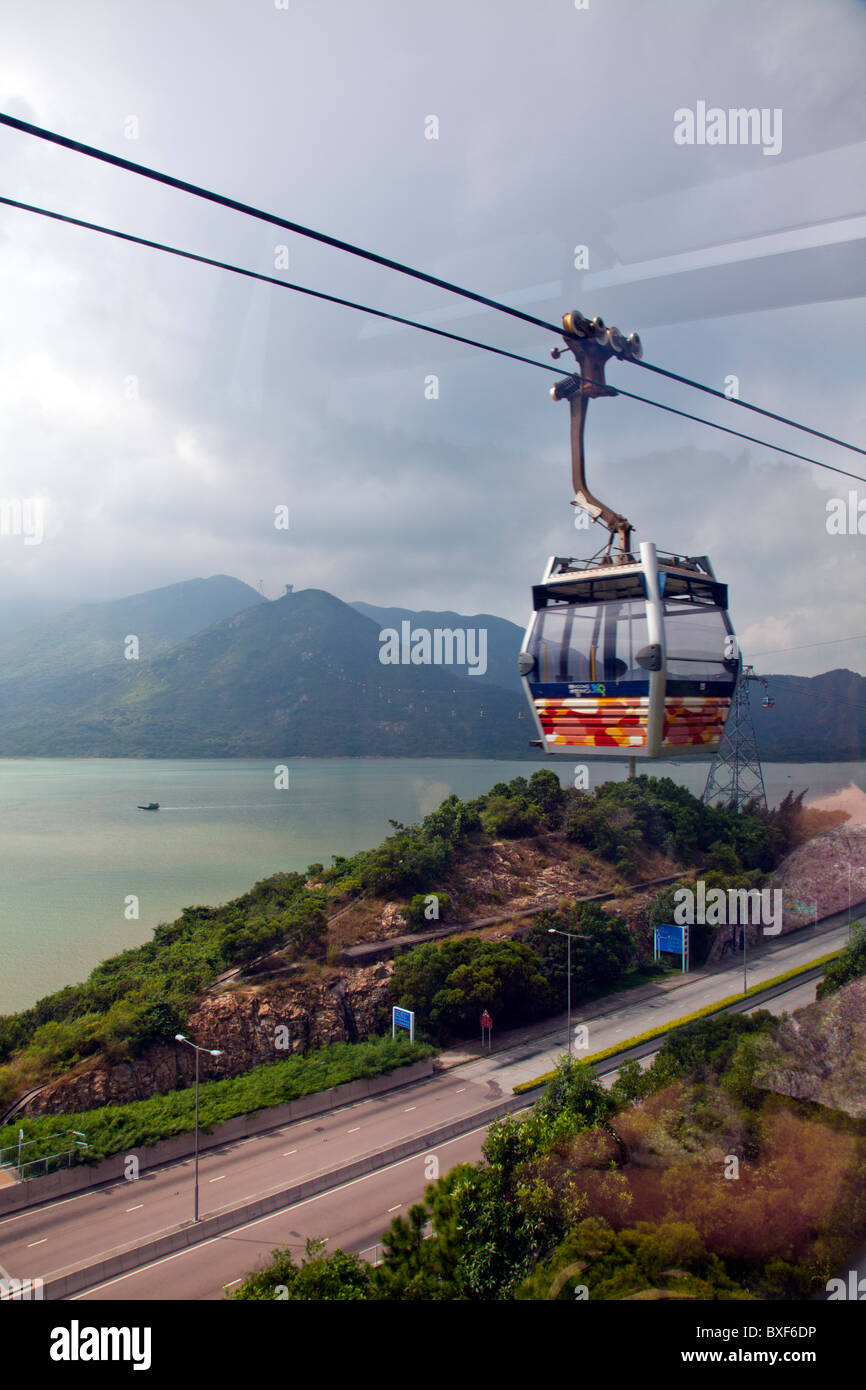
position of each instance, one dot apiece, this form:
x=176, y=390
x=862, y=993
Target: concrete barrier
x=121, y=1261
x=82, y=1176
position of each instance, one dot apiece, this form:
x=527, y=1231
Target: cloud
x=555, y=128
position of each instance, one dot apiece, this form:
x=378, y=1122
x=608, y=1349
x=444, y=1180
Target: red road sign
x=486, y=1020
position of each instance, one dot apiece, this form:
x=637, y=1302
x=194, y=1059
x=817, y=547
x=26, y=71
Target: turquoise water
x=73, y=847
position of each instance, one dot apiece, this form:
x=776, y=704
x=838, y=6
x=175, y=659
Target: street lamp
x=214, y=1052
x=576, y=936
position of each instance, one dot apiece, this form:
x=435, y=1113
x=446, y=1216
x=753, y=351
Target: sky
x=162, y=411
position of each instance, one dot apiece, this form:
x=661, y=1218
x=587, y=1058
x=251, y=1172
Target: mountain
x=224, y=673
x=504, y=639
x=299, y=676
x=819, y=718
x=93, y=634
x=21, y=612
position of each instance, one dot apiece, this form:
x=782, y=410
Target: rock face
x=820, y=873
x=244, y=1025
x=820, y=1053
x=814, y=880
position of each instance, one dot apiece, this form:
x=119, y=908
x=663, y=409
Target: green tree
x=338, y=1277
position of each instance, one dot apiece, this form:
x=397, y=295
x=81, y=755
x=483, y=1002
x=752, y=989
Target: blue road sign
x=669, y=938
x=403, y=1018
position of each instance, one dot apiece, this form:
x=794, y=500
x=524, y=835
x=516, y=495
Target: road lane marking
x=37, y=1242
x=138, y=1208
x=460, y=1088
x=233, y=1282
x=288, y=1152
x=397, y=1208
x=219, y=1179
x=273, y=1215
x=353, y=1131
x=410, y=1107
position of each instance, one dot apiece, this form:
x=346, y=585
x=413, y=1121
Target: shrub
x=419, y=911
x=849, y=965
x=449, y=984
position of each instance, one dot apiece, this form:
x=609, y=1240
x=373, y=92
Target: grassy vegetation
x=124, y=1128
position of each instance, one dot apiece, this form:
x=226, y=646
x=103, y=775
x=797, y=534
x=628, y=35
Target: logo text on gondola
x=737, y=126
x=443, y=646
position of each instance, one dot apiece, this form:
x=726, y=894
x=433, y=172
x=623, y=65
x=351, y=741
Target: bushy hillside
x=141, y=997
x=93, y=634
x=299, y=676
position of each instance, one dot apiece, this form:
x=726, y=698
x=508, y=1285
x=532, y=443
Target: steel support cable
x=396, y=318
x=237, y=205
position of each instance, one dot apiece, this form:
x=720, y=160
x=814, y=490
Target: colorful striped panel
x=694, y=720
x=605, y=722
x=612, y=722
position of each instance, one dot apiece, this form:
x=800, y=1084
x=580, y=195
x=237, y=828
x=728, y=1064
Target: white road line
x=410, y=1107
x=397, y=1208
x=138, y=1208
x=233, y=1282
x=37, y=1242
x=288, y=1152
x=219, y=1179
x=460, y=1088
x=271, y=1216
x=353, y=1131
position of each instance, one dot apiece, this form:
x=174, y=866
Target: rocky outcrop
x=820, y=874
x=249, y=1026
x=819, y=1054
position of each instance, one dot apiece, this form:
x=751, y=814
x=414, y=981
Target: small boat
x=153, y=806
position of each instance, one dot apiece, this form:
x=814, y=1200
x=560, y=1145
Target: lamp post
x=214, y=1052
x=572, y=936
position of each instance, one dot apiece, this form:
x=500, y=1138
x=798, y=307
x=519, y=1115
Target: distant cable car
x=631, y=659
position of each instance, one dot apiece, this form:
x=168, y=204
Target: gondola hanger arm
x=592, y=344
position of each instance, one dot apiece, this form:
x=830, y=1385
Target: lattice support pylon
x=735, y=777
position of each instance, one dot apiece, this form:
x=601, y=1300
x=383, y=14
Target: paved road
x=353, y=1217
x=87, y=1227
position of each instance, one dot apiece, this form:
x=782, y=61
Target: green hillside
x=93, y=634
x=504, y=639
x=299, y=676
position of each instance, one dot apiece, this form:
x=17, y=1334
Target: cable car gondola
x=635, y=659
x=624, y=656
